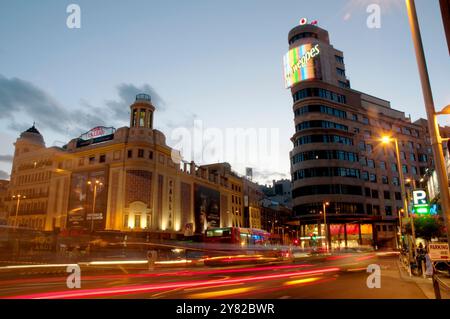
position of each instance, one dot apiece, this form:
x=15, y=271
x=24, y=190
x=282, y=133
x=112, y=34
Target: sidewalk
x=425, y=284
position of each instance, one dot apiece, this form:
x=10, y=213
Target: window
x=412, y=157
x=367, y=133
x=125, y=221
x=365, y=176
x=373, y=178
x=322, y=93
x=394, y=167
x=369, y=148
x=320, y=109
x=137, y=221
x=398, y=196
x=362, y=145
x=102, y=158
x=320, y=124
x=140, y=153
x=81, y=161
x=339, y=59
x=385, y=180
x=414, y=170
x=387, y=195
x=141, y=118
x=369, y=209
x=365, y=120
x=354, y=117
x=405, y=169
x=383, y=165
x=375, y=194
x=376, y=210
x=384, y=228
x=130, y=153
x=340, y=72
x=150, y=155
x=368, y=192
x=336, y=139
x=411, y=145
x=395, y=181
x=402, y=155
x=91, y=159
x=371, y=163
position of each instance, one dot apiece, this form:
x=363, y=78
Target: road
x=334, y=277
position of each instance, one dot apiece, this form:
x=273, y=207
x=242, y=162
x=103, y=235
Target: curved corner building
x=337, y=157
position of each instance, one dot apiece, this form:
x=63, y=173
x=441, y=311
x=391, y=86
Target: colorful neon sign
x=299, y=64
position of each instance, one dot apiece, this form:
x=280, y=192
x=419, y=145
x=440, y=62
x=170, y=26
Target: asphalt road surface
x=333, y=277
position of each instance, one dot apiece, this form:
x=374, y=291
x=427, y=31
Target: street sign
x=420, y=197
x=438, y=252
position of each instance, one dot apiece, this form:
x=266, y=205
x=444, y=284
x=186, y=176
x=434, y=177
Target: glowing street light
x=388, y=140
x=96, y=184
x=18, y=198
x=324, y=205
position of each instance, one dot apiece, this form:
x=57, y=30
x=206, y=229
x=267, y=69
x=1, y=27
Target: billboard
x=206, y=208
x=81, y=213
x=299, y=64
x=98, y=134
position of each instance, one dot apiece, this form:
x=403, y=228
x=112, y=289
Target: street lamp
x=388, y=140
x=18, y=198
x=325, y=222
x=433, y=126
x=96, y=184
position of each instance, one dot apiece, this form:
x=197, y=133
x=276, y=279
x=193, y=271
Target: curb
x=418, y=281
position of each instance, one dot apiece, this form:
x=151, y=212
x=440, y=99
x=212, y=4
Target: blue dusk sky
x=219, y=62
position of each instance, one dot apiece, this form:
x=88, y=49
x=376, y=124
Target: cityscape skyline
x=32, y=88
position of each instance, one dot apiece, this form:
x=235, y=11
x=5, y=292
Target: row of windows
x=322, y=93
x=373, y=193
x=320, y=109
x=302, y=36
x=332, y=209
x=340, y=72
x=235, y=199
x=335, y=189
x=327, y=139
x=339, y=59
x=326, y=172
x=325, y=155
x=33, y=178
x=342, y=209
x=320, y=124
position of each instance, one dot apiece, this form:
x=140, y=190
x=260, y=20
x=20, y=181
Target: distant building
x=337, y=155
x=253, y=195
x=140, y=184
x=3, y=199
x=280, y=192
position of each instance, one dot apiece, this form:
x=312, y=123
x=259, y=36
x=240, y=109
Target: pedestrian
x=152, y=256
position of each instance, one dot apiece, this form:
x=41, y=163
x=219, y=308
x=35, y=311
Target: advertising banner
x=81, y=213
x=206, y=208
x=299, y=64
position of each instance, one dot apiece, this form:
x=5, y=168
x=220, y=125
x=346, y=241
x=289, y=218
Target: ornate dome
x=33, y=135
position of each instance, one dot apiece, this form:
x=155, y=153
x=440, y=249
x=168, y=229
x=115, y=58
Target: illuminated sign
x=96, y=135
x=304, y=21
x=420, y=203
x=299, y=64
x=420, y=197
x=96, y=132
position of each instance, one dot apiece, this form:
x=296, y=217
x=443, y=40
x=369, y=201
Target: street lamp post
x=325, y=222
x=18, y=198
x=96, y=183
x=433, y=125
x=387, y=140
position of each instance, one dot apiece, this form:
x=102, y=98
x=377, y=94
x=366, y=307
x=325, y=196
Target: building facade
x=338, y=157
x=127, y=179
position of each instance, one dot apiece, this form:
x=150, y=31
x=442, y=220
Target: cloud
x=18, y=96
x=4, y=175
x=6, y=158
x=267, y=177
x=127, y=94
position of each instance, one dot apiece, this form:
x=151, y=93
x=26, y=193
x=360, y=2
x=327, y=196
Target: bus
x=237, y=236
